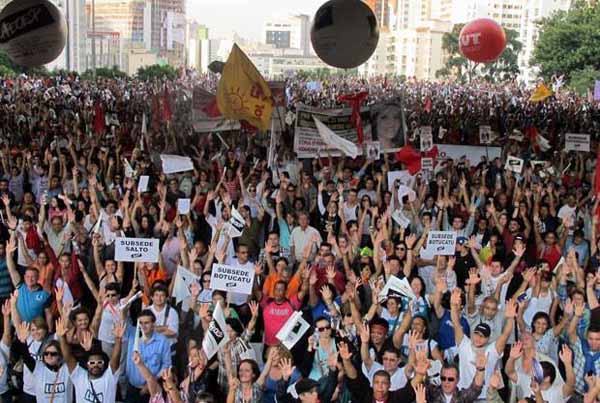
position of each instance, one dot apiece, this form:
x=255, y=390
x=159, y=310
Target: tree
x=505, y=68
x=105, y=72
x=583, y=80
x=569, y=41
x=11, y=66
x=147, y=73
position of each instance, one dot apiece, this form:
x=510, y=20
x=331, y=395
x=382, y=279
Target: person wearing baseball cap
x=479, y=341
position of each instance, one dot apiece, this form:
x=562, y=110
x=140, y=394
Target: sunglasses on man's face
x=447, y=379
x=98, y=363
x=322, y=329
x=50, y=353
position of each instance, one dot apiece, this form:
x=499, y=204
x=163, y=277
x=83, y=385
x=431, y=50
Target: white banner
x=577, y=142
x=183, y=206
x=136, y=250
x=400, y=219
x=183, y=281
x=514, y=164
x=232, y=279
x=441, y=242
x=472, y=153
x=143, y=183
x=307, y=140
x=216, y=335
x=348, y=148
x=292, y=330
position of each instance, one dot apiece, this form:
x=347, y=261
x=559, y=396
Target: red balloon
x=482, y=40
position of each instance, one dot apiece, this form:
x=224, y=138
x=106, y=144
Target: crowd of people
x=511, y=314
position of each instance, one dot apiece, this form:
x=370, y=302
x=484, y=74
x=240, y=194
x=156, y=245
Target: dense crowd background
x=513, y=315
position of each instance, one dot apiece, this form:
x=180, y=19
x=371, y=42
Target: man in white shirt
x=479, y=341
x=303, y=235
x=391, y=361
x=98, y=381
x=167, y=319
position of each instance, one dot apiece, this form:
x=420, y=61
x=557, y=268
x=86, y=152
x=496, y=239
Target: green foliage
x=583, y=80
x=148, y=73
x=325, y=72
x=503, y=69
x=104, y=72
x=568, y=41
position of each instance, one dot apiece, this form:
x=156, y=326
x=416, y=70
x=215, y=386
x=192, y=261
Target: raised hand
x=137, y=359
x=474, y=278
x=326, y=294
x=254, y=308
x=22, y=331
x=365, y=333
x=285, y=364
x=330, y=272
x=496, y=380
x=60, y=327
x=566, y=354
x=6, y=308
x=516, y=350
x=86, y=340
x=344, y=351
x=456, y=298
x=481, y=359
x=118, y=330
x=510, y=311
x=420, y=393
x=423, y=363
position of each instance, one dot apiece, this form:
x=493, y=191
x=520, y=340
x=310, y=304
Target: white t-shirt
x=523, y=384
x=104, y=388
x=110, y=315
x=172, y=321
x=467, y=369
x=398, y=380
x=29, y=381
x=50, y=386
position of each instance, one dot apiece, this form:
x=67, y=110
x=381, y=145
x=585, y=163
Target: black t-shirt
x=461, y=268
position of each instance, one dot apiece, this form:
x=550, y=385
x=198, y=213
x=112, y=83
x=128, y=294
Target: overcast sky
x=245, y=16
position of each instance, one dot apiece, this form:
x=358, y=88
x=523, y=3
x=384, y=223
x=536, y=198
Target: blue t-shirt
x=446, y=331
x=31, y=304
x=271, y=387
x=321, y=309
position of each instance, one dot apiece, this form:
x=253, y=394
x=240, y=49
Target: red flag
x=355, y=100
x=428, y=104
x=166, y=106
x=99, y=119
x=412, y=158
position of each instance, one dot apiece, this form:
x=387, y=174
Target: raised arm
x=455, y=307
x=510, y=312
x=61, y=330
x=11, y=247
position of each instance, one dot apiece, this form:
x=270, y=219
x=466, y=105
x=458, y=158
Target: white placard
x=138, y=336
x=441, y=242
x=216, y=336
x=373, y=150
x=183, y=281
x=235, y=225
x=293, y=330
x=143, y=183
x=403, y=177
x=235, y=279
x=485, y=134
x=176, y=163
x=577, y=142
x=136, y=249
x=514, y=164
x=183, y=206
x=333, y=140
x=400, y=219
x=396, y=287
x=426, y=137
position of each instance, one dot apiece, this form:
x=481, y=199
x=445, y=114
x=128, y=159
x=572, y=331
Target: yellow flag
x=243, y=94
x=541, y=92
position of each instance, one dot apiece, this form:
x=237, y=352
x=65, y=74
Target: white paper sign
x=136, y=249
x=333, y=140
x=577, y=142
x=396, y=287
x=176, y=163
x=183, y=206
x=514, y=164
x=485, y=134
x=403, y=177
x=441, y=242
x=404, y=191
x=373, y=150
x=400, y=219
x=234, y=279
x=426, y=138
x=143, y=183
x=216, y=335
x=292, y=330
x=138, y=336
x=236, y=223
x=183, y=281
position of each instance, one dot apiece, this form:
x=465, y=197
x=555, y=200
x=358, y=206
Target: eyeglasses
x=111, y=295
x=50, y=353
x=99, y=363
x=322, y=329
x=400, y=248
x=447, y=379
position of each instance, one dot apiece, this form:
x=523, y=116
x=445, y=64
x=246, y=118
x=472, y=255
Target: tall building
x=292, y=32
x=533, y=11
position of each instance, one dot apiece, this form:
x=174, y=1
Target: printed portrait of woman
x=387, y=126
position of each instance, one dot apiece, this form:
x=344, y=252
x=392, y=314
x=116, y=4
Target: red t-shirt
x=275, y=315
x=551, y=255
